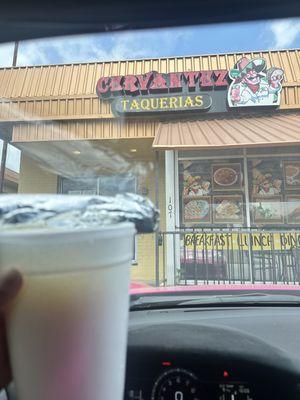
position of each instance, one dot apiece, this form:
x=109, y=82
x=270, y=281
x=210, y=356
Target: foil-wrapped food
x=61, y=211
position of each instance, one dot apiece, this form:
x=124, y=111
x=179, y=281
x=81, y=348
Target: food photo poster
x=227, y=176
x=197, y=209
x=266, y=177
x=292, y=205
x=268, y=210
x=228, y=209
x=292, y=175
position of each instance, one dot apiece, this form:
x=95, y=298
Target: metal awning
x=276, y=129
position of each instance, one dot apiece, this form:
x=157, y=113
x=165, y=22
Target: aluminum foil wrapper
x=77, y=212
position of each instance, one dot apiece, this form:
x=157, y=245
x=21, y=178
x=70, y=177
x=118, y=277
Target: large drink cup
x=67, y=329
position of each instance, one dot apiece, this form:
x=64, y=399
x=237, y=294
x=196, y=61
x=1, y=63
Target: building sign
x=154, y=83
x=261, y=241
x=253, y=84
x=248, y=84
x=157, y=92
x=169, y=103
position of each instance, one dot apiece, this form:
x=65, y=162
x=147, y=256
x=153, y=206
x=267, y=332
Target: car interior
x=185, y=350
x=236, y=352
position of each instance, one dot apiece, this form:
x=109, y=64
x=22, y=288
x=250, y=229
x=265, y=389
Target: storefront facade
x=213, y=140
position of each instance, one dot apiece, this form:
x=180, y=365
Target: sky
x=181, y=41
x=206, y=39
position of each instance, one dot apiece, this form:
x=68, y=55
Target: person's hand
x=10, y=285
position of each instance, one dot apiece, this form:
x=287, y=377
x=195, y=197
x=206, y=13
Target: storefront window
x=275, y=187
x=220, y=193
x=107, y=185
x=266, y=188
x=78, y=186
x=212, y=192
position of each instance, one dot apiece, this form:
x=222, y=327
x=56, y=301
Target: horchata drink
x=67, y=329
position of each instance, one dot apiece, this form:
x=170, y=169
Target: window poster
x=266, y=177
x=218, y=188
x=293, y=209
x=227, y=176
x=228, y=209
x=197, y=209
x=267, y=210
x=292, y=175
x=196, y=178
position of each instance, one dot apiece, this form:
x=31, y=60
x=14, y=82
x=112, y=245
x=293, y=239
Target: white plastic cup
x=67, y=330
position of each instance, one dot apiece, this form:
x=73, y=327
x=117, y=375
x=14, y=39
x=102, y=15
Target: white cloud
x=33, y=53
x=285, y=32
x=6, y=54
x=98, y=47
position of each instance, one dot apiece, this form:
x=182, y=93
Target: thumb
x=10, y=285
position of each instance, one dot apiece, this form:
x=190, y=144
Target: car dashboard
x=214, y=353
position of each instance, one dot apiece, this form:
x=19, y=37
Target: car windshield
x=203, y=120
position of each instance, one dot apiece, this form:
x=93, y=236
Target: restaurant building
x=213, y=140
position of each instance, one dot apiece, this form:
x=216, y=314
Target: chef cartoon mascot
x=249, y=85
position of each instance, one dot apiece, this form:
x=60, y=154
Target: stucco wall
x=34, y=179
x=144, y=270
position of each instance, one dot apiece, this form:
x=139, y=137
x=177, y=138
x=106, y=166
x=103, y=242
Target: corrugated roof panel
x=4, y=78
x=55, y=107
x=90, y=79
x=40, y=89
x=47, y=107
x=114, y=68
x=37, y=82
x=294, y=67
x=80, y=79
x=74, y=130
x=31, y=78
x=17, y=81
x=51, y=80
x=188, y=64
x=71, y=80
x=57, y=80
x=89, y=108
x=250, y=131
x=4, y=110
x=25, y=86
x=62, y=81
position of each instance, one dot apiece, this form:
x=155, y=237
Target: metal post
x=170, y=216
x=5, y=142
x=15, y=56
x=178, y=237
x=157, y=206
x=2, y=165
x=248, y=219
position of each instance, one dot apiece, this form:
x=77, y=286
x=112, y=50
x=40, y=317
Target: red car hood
x=137, y=288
